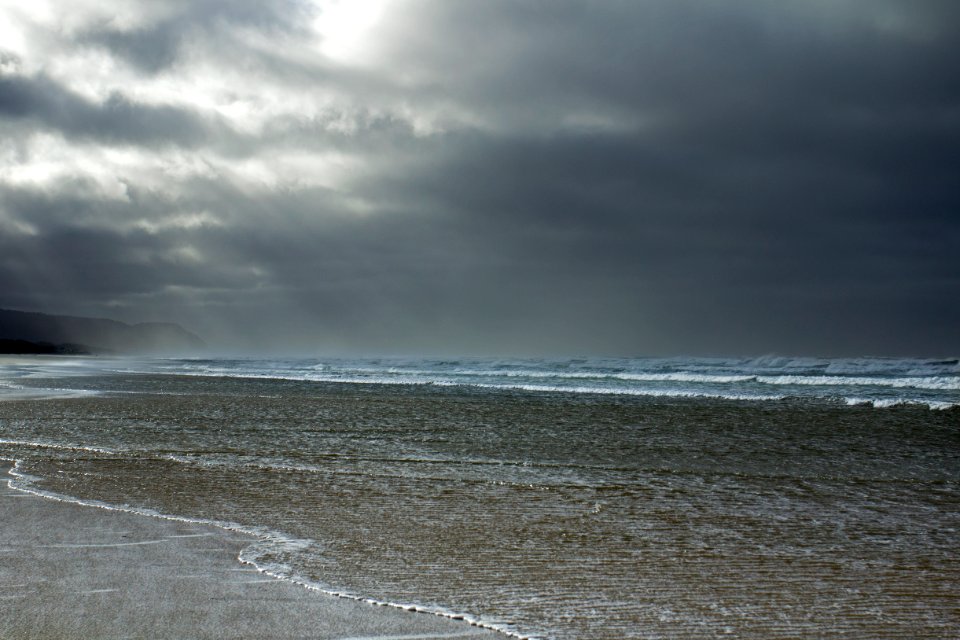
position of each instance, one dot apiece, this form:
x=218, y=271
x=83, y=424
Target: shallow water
x=562, y=515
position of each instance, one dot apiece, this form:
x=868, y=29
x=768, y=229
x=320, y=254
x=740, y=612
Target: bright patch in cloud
x=186, y=221
x=345, y=26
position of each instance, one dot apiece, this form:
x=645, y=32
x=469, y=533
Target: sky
x=562, y=177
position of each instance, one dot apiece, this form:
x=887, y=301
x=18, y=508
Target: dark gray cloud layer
x=565, y=177
x=42, y=103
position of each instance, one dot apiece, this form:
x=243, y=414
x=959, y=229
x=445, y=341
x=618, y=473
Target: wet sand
x=72, y=571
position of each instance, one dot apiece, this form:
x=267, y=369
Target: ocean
x=570, y=498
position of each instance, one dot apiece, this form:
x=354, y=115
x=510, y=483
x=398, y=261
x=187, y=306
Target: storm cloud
x=626, y=178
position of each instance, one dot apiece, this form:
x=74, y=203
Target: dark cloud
x=150, y=50
x=562, y=177
x=44, y=103
x=157, y=46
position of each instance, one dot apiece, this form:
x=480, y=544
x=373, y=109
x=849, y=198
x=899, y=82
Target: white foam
x=783, y=362
x=54, y=445
x=512, y=380
x=600, y=375
x=707, y=378
x=653, y=393
x=938, y=383
x=891, y=366
x=886, y=403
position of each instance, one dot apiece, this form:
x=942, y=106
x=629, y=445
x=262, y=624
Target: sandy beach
x=71, y=571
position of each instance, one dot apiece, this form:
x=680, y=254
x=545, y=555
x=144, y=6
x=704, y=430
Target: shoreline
x=564, y=516
x=70, y=570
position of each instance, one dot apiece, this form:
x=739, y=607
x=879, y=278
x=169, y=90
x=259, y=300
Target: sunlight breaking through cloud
x=562, y=177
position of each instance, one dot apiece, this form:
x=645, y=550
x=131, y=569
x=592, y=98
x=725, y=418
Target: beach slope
x=73, y=571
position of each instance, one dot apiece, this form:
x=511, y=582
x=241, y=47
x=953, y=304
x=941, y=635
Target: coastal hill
x=28, y=332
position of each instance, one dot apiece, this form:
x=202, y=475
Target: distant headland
x=24, y=332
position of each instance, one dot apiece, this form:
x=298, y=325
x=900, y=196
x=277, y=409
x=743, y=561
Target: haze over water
x=589, y=498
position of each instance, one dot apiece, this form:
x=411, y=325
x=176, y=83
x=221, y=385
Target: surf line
x=419, y=636
x=23, y=482
x=95, y=545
